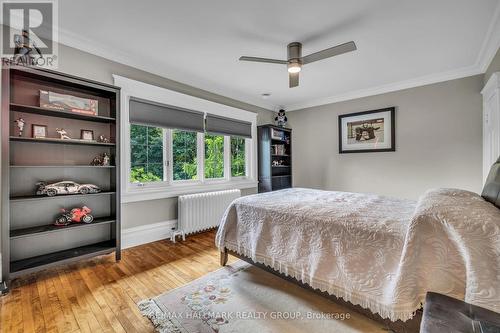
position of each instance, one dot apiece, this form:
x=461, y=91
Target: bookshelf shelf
x=57, y=113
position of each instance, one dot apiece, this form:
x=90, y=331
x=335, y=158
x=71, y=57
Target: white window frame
x=132, y=192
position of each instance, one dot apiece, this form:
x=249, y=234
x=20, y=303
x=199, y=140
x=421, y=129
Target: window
x=238, y=161
x=146, y=154
x=167, y=151
x=214, y=156
x=184, y=155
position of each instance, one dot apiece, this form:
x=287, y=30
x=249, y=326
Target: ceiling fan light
x=294, y=67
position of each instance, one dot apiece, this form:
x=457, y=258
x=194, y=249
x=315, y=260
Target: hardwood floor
x=100, y=295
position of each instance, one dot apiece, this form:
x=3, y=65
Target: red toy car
x=76, y=215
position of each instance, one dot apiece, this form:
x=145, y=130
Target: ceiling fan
x=296, y=60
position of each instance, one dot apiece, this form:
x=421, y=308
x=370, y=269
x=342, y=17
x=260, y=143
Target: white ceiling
x=400, y=43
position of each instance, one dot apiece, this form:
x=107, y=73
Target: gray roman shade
x=142, y=112
x=227, y=126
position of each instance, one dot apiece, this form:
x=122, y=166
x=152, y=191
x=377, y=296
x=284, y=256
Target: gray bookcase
x=30, y=241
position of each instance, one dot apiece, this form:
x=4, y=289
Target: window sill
x=172, y=191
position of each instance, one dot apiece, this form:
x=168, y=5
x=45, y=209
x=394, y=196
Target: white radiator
x=202, y=211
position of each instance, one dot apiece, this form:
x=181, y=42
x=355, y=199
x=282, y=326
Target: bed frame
x=491, y=193
x=410, y=326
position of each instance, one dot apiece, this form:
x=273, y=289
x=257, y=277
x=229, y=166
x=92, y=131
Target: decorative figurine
x=65, y=187
x=23, y=50
x=281, y=119
x=63, y=134
x=75, y=215
x=101, y=160
x=105, y=159
x=103, y=139
x=97, y=161
x=20, y=125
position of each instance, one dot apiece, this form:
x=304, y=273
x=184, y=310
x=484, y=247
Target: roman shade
x=142, y=112
x=227, y=126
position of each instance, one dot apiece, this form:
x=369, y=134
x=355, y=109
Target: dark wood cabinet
x=30, y=241
x=275, y=158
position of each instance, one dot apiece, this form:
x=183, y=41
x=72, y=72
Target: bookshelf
x=275, y=158
x=30, y=241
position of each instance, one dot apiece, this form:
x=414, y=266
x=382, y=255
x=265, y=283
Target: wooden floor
x=100, y=295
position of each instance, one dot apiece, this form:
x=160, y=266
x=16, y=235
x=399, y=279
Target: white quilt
x=381, y=253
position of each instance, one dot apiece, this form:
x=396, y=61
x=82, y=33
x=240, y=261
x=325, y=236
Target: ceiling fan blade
x=293, y=79
x=331, y=52
x=256, y=59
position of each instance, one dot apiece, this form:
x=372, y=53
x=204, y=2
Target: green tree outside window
x=238, y=157
x=184, y=155
x=214, y=156
x=146, y=155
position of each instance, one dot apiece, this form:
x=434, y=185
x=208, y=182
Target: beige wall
x=493, y=67
x=438, y=143
x=76, y=62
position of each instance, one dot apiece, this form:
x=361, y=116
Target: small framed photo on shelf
x=87, y=135
x=39, y=131
x=277, y=135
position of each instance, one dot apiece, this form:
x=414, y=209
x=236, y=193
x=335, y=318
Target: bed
x=380, y=253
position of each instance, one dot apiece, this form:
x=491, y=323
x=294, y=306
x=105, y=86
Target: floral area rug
x=244, y=298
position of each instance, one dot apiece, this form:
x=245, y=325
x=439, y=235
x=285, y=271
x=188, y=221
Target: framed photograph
x=63, y=102
x=276, y=134
x=87, y=135
x=38, y=131
x=369, y=131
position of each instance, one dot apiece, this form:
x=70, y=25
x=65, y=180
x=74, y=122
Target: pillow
x=491, y=190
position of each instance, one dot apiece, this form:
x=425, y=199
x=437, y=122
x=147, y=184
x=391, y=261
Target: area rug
x=244, y=298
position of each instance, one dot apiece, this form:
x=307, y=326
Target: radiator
x=202, y=211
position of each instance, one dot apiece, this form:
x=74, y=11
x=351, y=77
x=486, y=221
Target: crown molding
x=491, y=42
x=391, y=87
x=490, y=46
x=491, y=86
x=81, y=43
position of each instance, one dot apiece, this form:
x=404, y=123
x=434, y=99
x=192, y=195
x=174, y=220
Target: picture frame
x=277, y=134
x=65, y=102
x=87, y=135
x=368, y=131
x=38, y=131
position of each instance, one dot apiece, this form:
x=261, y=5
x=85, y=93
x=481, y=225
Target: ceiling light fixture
x=294, y=66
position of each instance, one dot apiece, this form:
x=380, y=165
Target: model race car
x=65, y=187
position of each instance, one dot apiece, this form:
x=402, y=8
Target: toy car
x=65, y=187
x=76, y=215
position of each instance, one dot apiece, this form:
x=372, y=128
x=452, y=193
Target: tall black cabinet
x=275, y=158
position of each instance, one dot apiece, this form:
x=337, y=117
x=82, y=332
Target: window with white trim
x=174, y=156
x=169, y=159
x=184, y=155
x=214, y=156
x=146, y=154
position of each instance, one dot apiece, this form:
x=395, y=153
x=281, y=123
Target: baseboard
x=147, y=233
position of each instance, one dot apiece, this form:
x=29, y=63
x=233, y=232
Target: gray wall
x=76, y=62
x=493, y=67
x=438, y=142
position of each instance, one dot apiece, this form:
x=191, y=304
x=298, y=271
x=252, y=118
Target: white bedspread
x=381, y=253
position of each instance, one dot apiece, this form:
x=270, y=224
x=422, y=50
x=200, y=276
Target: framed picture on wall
x=369, y=131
